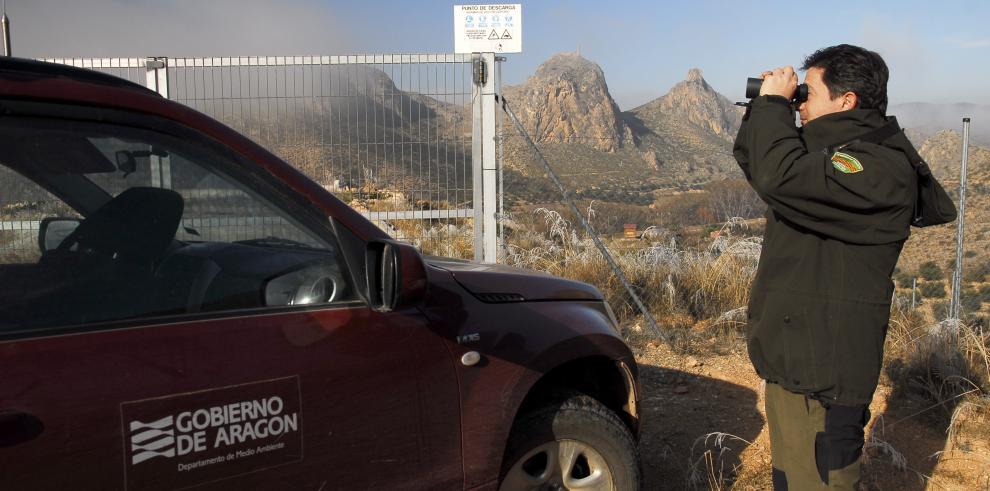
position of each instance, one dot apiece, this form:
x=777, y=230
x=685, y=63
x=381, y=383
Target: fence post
x=954, y=305
x=500, y=156
x=490, y=199
x=5, y=21
x=483, y=162
x=157, y=80
x=477, y=70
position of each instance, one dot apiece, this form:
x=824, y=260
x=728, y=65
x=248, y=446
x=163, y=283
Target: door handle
x=18, y=427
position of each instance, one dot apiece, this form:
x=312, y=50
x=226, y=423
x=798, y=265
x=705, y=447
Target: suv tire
x=572, y=441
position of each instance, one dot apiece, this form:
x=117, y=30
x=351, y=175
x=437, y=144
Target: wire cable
x=587, y=226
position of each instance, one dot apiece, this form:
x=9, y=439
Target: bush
x=933, y=290
x=930, y=271
x=940, y=363
x=976, y=272
x=903, y=279
x=971, y=301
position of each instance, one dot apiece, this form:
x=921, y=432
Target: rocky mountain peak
x=695, y=75
x=692, y=101
x=567, y=101
x=571, y=66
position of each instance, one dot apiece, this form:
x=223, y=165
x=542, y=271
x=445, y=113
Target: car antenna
x=6, y=30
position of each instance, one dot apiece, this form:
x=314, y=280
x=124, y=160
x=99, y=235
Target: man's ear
x=849, y=101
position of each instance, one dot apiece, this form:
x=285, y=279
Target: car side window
x=127, y=224
x=23, y=206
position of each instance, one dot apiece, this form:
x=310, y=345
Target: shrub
x=903, y=279
x=976, y=272
x=946, y=363
x=933, y=290
x=970, y=301
x=931, y=271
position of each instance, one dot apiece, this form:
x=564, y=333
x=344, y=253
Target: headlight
x=311, y=285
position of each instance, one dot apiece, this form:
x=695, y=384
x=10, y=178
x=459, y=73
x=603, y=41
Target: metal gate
x=401, y=138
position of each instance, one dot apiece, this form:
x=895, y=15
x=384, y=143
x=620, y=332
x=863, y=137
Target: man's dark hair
x=853, y=69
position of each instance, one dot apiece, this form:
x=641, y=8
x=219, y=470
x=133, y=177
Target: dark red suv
x=180, y=308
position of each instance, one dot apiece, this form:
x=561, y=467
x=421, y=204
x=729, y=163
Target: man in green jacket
x=839, y=212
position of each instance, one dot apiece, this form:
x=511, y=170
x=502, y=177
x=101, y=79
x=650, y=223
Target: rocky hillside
x=687, y=133
x=681, y=139
x=943, y=152
x=692, y=105
x=567, y=101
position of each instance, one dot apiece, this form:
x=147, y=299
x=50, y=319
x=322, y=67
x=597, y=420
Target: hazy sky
x=937, y=51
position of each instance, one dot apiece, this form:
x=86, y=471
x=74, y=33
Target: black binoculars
x=753, y=90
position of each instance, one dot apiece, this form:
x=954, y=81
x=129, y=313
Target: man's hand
x=781, y=81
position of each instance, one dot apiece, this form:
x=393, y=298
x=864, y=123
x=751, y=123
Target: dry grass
x=455, y=238
x=940, y=369
x=672, y=281
x=946, y=363
x=446, y=237
x=708, y=471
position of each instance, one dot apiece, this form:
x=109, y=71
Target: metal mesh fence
x=133, y=69
x=22, y=206
x=388, y=134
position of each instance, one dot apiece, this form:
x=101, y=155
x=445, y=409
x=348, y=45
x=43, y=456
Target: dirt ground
x=704, y=428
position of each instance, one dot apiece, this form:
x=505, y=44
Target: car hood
x=498, y=283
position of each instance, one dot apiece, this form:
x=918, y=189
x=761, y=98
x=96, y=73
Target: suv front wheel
x=571, y=442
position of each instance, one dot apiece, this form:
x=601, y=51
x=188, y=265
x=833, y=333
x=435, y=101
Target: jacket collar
x=839, y=127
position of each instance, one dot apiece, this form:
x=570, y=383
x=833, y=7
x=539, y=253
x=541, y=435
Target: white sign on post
x=494, y=28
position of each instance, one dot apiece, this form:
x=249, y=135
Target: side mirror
x=54, y=230
x=396, y=275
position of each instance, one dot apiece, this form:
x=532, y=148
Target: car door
x=238, y=354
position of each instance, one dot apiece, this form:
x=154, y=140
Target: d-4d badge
x=846, y=163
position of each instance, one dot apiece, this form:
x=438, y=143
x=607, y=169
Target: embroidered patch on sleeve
x=846, y=163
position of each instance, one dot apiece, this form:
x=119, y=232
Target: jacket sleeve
x=739, y=147
x=872, y=206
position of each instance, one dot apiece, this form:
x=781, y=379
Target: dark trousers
x=813, y=445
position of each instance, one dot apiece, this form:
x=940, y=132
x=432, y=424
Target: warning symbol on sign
x=506, y=35
x=493, y=35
